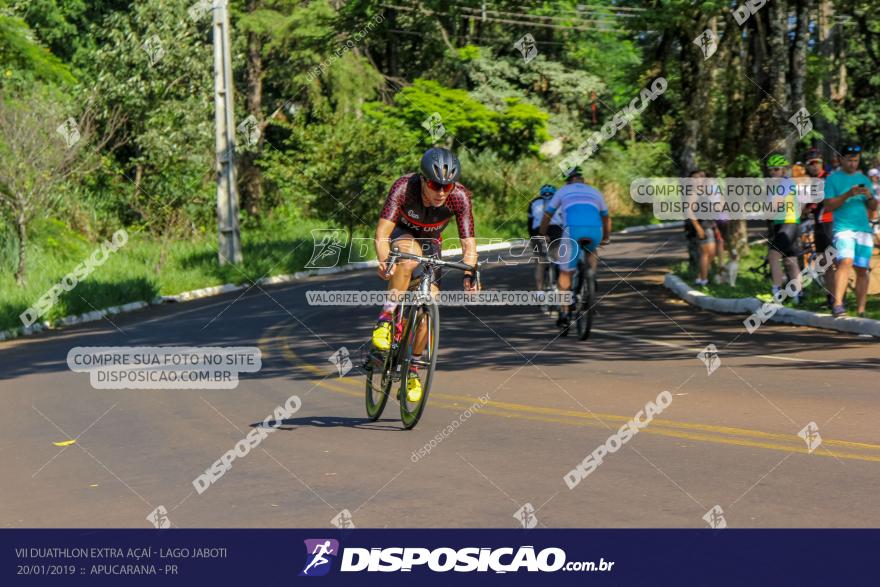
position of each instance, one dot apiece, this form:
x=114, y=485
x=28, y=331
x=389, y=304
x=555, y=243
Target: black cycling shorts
x=823, y=234
x=787, y=239
x=430, y=246
x=554, y=233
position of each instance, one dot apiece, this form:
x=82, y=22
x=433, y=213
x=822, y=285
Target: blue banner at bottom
x=391, y=557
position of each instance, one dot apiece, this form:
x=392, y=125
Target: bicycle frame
x=401, y=357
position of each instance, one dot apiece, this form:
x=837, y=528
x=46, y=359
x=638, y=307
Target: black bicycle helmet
x=574, y=172
x=440, y=165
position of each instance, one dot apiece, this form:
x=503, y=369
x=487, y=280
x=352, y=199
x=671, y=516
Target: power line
x=587, y=8
x=484, y=38
x=428, y=12
x=551, y=16
x=477, y=11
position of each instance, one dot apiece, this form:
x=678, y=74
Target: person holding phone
x=849, y=196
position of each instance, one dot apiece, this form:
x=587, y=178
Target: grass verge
x=752, y=282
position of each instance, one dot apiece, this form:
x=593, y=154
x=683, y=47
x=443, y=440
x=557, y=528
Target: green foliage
x=469, y=121
x=168, y=161
x=745, y=166
x=346, y=88
x=517, y=129
x=340, y=172
x=294, y=38
x=24, y=59
x=521, y=129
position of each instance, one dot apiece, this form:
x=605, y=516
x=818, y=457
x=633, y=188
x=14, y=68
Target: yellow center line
x=682, y=430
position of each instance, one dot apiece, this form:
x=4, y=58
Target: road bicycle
x=410, y=321
x=583, y=308
x=550, y=273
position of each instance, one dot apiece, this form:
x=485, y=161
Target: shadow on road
x=337, y=422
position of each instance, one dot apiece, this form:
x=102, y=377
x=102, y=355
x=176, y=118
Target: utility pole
x=224, y=130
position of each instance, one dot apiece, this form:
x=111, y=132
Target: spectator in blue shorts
x=849, y=196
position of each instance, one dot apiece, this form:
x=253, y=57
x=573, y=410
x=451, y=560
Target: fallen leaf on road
x=64, y=442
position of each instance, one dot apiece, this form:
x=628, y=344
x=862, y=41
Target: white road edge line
x=696, y=351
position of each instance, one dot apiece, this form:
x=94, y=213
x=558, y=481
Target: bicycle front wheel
x=378, y=369
x=422, y=327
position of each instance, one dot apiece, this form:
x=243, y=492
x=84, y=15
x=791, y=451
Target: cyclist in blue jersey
x=584, y=216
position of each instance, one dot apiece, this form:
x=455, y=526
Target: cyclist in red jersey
x=418, y=207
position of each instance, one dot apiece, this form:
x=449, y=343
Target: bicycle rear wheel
x=427, y=316
x=586, y=303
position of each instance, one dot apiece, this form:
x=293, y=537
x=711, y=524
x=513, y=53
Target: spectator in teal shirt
x=849, y=196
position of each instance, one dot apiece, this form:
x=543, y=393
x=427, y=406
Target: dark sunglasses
x=852, y=150
x=438, y=187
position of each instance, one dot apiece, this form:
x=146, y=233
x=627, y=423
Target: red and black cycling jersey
x=404, y=207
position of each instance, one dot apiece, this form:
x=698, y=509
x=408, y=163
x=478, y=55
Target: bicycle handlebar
x=394, y=255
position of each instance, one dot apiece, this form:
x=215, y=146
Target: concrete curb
x=650, y=227
x=216, y=290
x=782, y=314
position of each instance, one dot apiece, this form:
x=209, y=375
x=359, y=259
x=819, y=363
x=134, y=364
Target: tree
x=340, y=171
x=24, y=59
x=291, y=34
x=155, y=64
x=40, y=149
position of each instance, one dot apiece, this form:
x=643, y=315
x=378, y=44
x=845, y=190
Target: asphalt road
x=728, y=439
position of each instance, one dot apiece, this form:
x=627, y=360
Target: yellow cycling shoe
x=413, y=388
x=382, y=336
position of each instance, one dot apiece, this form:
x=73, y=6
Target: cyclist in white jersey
x=554, y=232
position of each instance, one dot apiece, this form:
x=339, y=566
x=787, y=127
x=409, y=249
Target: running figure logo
x=710, y=358
x=526, y=516
x=327, y=247
x=342, y=360
x=715, y=518
x=810, y=434
x=801, y=121
x=707, y=42
x=317, y=552
x=527, y=46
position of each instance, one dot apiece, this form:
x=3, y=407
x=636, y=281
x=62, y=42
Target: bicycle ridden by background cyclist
x=584, y=216
x=554, y=232
x=418, y=207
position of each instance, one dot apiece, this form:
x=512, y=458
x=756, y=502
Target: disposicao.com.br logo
x=320, y=554
x=441, y=560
